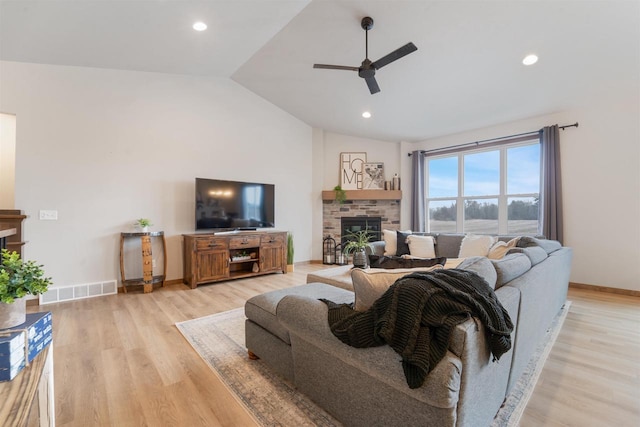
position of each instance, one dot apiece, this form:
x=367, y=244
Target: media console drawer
x=242, y=242
x=211, y=243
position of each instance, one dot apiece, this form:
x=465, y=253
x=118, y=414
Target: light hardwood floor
x=120, y=361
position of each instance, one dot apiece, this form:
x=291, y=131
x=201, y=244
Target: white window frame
x=503, y=197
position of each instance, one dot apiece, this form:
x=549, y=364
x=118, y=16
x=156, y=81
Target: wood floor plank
x=119, y=360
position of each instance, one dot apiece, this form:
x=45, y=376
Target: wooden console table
x=148, y=279
x=4, y=233
x=13, y=218
x=28, y=399
x=214, y=257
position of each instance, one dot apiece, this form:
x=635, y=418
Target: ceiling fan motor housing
x=367, y=23
x=366, y=70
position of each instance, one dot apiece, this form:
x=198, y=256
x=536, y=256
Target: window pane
x=523, y=215
x=523, y=169
x=443, y=177
x=482, y=174
x=481, y=216
x=442, y=216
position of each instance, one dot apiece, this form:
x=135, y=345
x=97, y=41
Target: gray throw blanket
x=417, y=314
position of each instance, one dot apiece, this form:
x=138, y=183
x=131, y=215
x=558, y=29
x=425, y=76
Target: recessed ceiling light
x=199, y=26
x=530, y=59
x=366, y=114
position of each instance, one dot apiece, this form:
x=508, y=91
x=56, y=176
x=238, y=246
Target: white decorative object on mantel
x=351, y=170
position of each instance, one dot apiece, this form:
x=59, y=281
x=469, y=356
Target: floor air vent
x=88, y=290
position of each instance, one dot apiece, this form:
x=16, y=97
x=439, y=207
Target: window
x=490, y=191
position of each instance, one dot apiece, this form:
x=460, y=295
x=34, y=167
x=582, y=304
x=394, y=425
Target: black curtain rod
x=493, y=139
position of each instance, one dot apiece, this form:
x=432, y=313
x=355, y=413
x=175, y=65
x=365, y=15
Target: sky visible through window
x=482, y=173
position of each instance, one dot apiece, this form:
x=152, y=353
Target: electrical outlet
x=49, y=215
x=153, y=263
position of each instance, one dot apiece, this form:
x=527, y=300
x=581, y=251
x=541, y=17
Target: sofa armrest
x=484, y=382
x=376, y=248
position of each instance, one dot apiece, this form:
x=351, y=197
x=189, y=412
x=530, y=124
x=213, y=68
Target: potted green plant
x=143, y=224
x=18, y=278
x=290, y=251
x=341, y=195
x=358, y=242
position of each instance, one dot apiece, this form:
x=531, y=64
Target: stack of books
x=20, y=345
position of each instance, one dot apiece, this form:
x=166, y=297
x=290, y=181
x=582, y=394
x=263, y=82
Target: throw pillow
x=500, y=249
x=370, y=284
x=476, y=245
x=422, y=246
x=390, y=238
x=401, y=243
x=393, y=262
x=511, y=267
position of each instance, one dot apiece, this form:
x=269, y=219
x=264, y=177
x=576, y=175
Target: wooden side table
x=28, y=399
x=148, y=279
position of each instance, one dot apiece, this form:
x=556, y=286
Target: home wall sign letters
x=351, y=170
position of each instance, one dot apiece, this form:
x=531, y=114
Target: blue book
x=13, y=356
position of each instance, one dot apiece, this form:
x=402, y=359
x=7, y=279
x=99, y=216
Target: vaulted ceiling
x=467, y=72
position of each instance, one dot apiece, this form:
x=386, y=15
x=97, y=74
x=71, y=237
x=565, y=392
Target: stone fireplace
x=386, y=211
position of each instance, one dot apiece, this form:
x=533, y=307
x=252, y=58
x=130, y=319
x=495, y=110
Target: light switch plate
x=49, y=215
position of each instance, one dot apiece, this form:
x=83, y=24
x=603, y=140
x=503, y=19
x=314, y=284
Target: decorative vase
x=360, y=259
x=14, y=314
x=144, y=229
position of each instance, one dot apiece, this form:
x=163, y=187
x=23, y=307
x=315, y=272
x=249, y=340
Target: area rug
x=273, y=401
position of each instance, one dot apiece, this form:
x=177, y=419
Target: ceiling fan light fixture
x=366, y=115
x=530, y=59
x=199, y=26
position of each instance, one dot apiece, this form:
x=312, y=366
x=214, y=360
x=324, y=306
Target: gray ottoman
x=266, y=338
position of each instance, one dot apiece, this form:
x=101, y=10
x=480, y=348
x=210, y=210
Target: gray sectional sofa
x=288, y=329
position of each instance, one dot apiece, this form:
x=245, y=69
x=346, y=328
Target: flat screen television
x=230, y=205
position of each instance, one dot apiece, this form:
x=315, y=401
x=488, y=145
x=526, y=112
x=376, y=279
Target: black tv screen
x=230, y=205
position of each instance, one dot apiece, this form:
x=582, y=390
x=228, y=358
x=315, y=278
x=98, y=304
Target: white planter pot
x=12, y=315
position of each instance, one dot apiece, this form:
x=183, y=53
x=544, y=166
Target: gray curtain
x=551, y=191
x=418, y=217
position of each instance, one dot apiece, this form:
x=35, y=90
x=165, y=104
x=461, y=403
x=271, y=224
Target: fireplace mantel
x=365, y=195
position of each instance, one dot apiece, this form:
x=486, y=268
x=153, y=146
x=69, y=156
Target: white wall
x=601, y=186
x=104, y=147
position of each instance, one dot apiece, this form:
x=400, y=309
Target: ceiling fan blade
x=395, y=55
x=373, y=85
x=335, y=67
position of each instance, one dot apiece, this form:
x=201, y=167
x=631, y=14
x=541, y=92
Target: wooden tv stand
x=215, y=257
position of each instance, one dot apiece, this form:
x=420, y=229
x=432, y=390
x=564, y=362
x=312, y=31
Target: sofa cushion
x=448, y=245
x=500, y=248
x=261, y=309
x=393, y=262
x=476, y=245
x=510, y=267
x=535, y=253
x=421, y=246
x=370, y=284
x=548, y=245
x=482, y=266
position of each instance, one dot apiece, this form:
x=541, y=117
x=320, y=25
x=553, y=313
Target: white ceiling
x=466, y=74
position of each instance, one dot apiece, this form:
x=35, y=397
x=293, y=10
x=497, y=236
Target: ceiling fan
x=367, y=70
